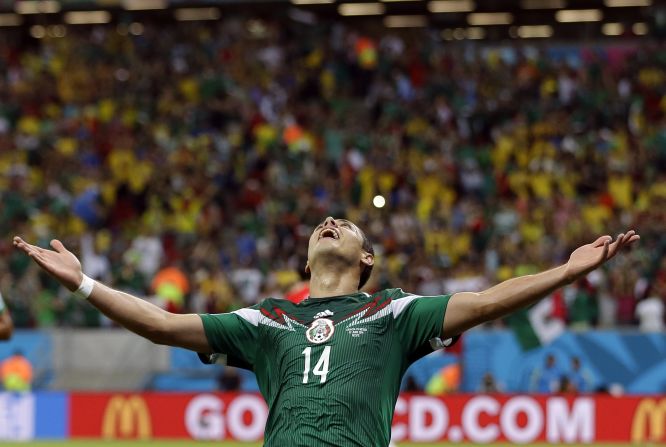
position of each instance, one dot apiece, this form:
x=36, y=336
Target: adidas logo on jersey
x=326, y=313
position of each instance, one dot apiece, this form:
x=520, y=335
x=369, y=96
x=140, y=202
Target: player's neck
x=333, y=283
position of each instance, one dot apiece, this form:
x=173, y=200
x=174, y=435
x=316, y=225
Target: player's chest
x=355, y=335
x=326, y=351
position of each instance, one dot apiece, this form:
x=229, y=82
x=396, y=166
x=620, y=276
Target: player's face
x=338, y=237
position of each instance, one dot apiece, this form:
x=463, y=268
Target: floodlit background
x=185, y=150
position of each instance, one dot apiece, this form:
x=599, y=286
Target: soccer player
x=6, y=325
x=329, y=367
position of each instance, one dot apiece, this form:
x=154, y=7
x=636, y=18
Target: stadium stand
x=190, y=166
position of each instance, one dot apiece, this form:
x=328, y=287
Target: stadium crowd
x=191, y=166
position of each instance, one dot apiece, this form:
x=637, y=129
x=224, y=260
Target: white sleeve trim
x=250, y=315
x=439, y=343
x=400, y=304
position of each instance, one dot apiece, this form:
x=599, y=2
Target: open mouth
x=329, y=232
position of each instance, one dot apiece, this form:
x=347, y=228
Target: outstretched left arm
x=467, y=309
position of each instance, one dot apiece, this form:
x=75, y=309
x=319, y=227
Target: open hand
x=61, y=263
x=588, y=257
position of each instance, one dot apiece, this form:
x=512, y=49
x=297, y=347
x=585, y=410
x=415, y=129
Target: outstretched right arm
x=135, y=314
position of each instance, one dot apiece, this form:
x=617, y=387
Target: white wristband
x=86, y=287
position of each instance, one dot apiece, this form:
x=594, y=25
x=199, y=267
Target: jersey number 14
x=321, y=368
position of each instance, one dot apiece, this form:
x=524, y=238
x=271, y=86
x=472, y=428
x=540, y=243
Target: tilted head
x=338, y=243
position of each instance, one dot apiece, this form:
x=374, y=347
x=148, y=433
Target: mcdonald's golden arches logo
x=649, y=422
x=126, y=417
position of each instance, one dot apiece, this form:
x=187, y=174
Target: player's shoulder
x=397, y=294
x=401, y=300
x=258, y=308
x=276, y=308
x=395, y=299
x=272, y=303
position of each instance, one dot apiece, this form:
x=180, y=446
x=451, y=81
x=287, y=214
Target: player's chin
x=332, y=248
x=325, y=249
x=328, y=243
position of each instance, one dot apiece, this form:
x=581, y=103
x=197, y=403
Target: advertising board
x=418, y=418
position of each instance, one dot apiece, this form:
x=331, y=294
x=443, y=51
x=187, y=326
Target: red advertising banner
x=418, y=418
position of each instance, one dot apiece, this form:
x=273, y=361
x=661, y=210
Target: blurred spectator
x=247, y=281
x=298, y=292
x=146, y=252
x=548, y=379
x=650, y=310
x=16, y=373
x=444, y=381
x=567, y=386
x=578, y=379
x=622, y=288
x=582, y=304
x=489, y=385
x=6, y=324
x=170, y=285
x=229, y=379
x=94, y=260
x=607, y=302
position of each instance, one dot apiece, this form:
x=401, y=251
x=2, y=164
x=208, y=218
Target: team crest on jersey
x=320, y=331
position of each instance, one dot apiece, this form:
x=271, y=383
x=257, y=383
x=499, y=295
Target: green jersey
x=330, y=368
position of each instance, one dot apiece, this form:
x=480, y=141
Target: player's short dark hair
x=367, y=269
